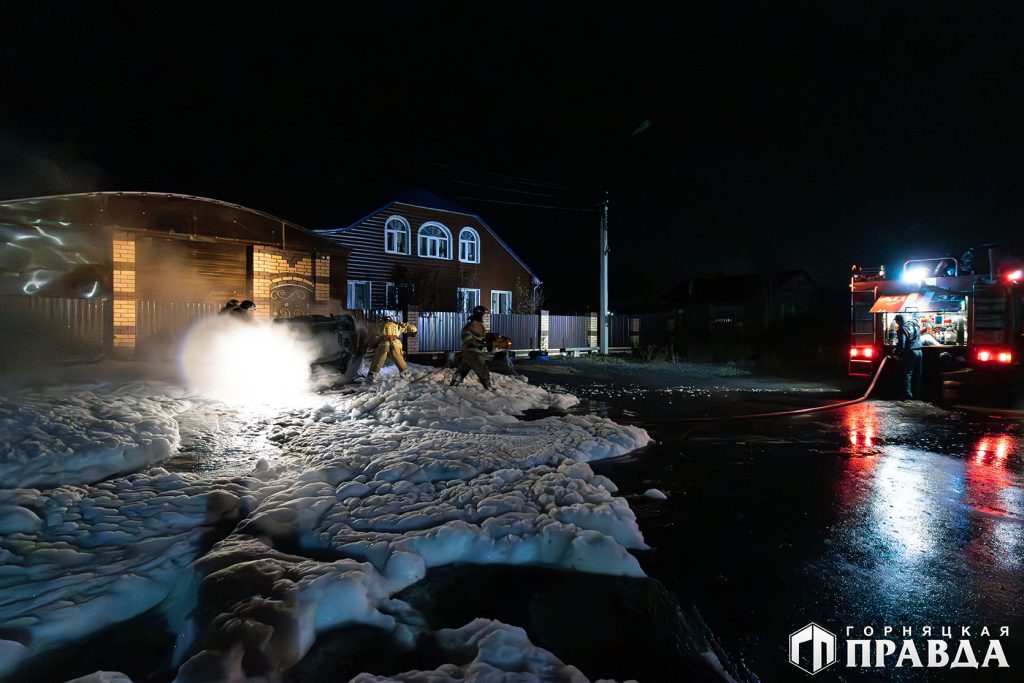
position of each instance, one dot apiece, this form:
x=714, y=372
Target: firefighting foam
x=246, y=362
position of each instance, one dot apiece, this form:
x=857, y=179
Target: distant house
x=751, y=300
x=425, y=251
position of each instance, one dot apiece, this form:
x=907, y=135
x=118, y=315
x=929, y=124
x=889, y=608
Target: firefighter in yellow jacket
x=474, y=346
x=390, y=342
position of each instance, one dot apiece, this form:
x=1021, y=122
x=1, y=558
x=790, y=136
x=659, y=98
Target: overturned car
x=340, y=342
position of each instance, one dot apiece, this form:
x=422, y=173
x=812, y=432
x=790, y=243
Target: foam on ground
x=80, y=435
x=79, y=559
x=368, y=491
x=487, y=651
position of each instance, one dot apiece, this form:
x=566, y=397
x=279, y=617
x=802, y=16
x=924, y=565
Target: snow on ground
x=368, y=491
x=491, y=652
x=77, y=435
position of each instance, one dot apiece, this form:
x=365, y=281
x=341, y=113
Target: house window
x=359, y=295
x=397, y=235
x=435, y=241
x=469, y=246
x=501, y=301
x=468, y=299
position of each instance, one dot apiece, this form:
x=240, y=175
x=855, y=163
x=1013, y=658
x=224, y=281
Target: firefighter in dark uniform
x=228, y=307
x=244, y=311
x=908, y=352
x=474, y=346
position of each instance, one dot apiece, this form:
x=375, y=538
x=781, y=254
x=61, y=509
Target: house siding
x=367, y=260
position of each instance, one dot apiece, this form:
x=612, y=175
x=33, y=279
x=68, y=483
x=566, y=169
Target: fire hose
x=784, y=413
x=746, y=416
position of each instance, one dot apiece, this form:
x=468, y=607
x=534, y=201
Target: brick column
x=323, y=277
x=544, y=337
x=264, y=266
x=592, y=340
x=634, y=332
x=412, y=315
x=125, y=327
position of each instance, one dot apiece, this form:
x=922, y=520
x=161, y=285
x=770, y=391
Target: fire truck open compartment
x=974, y=319
x=945, y=317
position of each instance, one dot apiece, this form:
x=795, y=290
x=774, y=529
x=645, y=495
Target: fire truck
x=973, y=319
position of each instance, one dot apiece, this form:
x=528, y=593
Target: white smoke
x=245, y=362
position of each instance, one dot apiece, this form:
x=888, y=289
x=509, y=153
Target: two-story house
x=425, y=251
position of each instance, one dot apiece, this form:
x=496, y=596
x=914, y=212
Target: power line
x=535, y=206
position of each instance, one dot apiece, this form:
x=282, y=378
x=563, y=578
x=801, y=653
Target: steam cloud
x=242, y=362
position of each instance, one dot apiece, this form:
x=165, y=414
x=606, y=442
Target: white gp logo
x=823, y=648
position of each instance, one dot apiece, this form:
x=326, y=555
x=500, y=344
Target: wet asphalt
x=879, y=514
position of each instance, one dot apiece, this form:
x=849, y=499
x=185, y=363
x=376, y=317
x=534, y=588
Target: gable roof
x=417, y=196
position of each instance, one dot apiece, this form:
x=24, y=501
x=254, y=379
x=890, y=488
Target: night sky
x=810, y=136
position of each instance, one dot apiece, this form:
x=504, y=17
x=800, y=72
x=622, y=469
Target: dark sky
x=814, y=135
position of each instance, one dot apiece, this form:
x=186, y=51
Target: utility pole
x=603, y=319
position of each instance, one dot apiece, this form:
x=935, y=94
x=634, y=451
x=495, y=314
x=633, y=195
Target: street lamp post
x=604, y=321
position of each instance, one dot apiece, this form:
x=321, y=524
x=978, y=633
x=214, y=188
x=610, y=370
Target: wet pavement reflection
x=881, y=513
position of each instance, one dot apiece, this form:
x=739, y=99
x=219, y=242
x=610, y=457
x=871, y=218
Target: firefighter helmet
x=479, y=310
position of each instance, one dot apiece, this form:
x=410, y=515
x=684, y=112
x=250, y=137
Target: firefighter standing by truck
x=474, y=346
x=390, y=343
x=908, y=353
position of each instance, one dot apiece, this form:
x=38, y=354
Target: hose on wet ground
x=782, y=413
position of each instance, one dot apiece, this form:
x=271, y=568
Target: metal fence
x=378, y=315
x=441, y=331
x=521, y=328
x=620, y=332
x=75, y=324
x=567, y=331
x=162, y=322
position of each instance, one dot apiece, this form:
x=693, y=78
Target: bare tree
x=526, y=298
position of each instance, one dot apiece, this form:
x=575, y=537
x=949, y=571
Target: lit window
x=359, y=295
x=435, y=241
x=469, y=246
x=468, y=299
x=501, y=301
x=397, y=235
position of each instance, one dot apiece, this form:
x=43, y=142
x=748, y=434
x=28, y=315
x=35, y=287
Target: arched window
x=435, y=241
x=469, y=246
x=397, y=235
